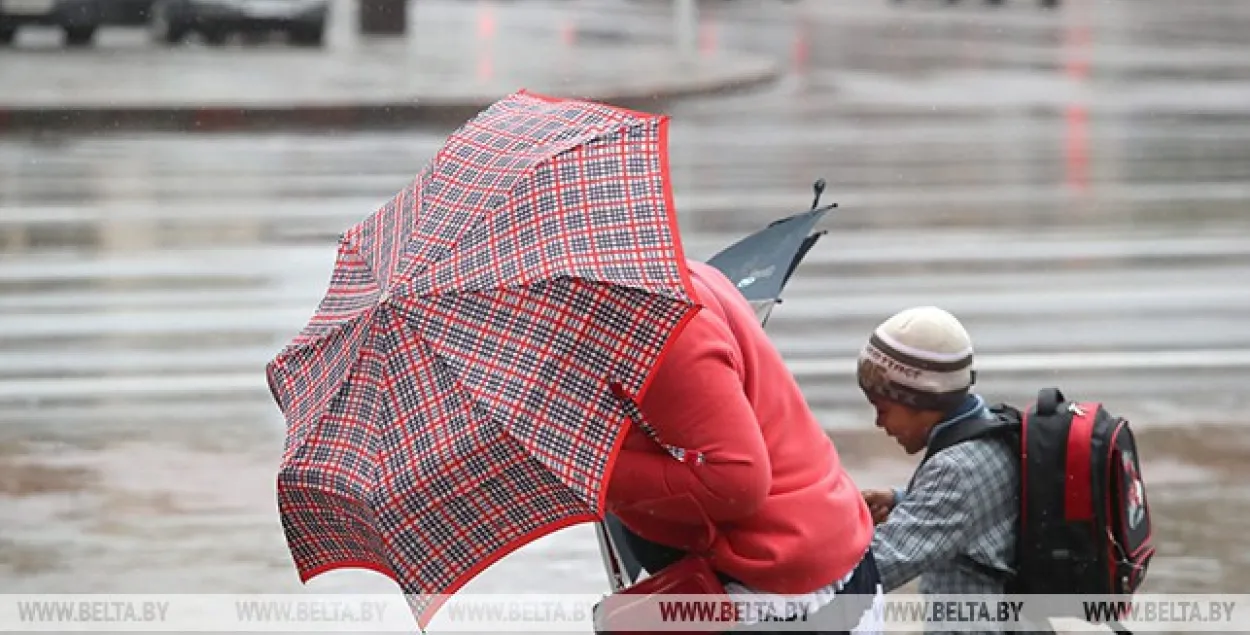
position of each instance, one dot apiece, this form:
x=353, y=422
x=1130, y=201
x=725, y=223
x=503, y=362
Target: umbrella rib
x=348, y=245
x=524, y=289
x=522, y=175
x=320, y=340
x=433, y=502
x=475, y=407
x=450, y=245
x=317, y=415
x=529, y=285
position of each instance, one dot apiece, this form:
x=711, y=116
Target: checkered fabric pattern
x=962, y=503
x=455, y=395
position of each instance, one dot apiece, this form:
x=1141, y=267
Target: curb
x=332, y=116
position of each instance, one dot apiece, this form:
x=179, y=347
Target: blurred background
x=1068, y=178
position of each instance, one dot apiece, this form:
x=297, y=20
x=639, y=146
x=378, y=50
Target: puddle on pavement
x=138, y=515
x=189, y=508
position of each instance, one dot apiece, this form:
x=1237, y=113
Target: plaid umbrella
x=458, y=392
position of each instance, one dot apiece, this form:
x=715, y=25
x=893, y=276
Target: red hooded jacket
x=771, y=504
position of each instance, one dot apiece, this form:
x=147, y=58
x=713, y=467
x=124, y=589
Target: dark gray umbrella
x=760, y=265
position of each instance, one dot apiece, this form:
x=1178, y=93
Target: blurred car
x=126, y=12
x=304, y=21
x=79, y=19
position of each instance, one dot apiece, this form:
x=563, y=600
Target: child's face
x=906, y=425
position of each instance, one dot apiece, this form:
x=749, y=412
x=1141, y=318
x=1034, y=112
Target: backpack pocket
x=1129, y=529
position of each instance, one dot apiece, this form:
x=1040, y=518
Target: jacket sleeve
x=934, y=521
x=696, y=402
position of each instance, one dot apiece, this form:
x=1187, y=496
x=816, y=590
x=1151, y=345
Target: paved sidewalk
x=445, y=67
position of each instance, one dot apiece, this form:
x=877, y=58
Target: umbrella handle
x=635, y=414
x=617, y=576
x=819, y=188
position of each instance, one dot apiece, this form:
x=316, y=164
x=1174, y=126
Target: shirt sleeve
x=932, y=523
x=697, y=402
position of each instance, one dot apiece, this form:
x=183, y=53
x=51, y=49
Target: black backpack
x=1084, y=525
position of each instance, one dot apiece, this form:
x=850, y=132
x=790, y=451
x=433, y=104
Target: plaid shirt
x=962, y=504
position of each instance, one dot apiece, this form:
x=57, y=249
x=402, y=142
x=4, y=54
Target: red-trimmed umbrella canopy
x=455, y=395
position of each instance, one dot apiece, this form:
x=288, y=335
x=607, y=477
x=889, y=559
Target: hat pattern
x=899, y=362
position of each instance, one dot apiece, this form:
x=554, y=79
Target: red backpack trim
x=1078, y=499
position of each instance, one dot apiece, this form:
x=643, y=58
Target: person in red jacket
x=762, y=493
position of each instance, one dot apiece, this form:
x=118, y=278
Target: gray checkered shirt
x=961, y=504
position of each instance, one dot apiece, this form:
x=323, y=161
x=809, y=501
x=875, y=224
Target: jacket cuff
x=898, y=494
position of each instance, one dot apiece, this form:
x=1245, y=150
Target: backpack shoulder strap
x=1003, y=422
x=999, y=424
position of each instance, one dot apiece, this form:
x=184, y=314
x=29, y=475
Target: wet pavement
x=457, y=56
x=1059, y=179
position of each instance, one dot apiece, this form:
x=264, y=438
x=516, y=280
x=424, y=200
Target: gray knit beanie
x=920, y=357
